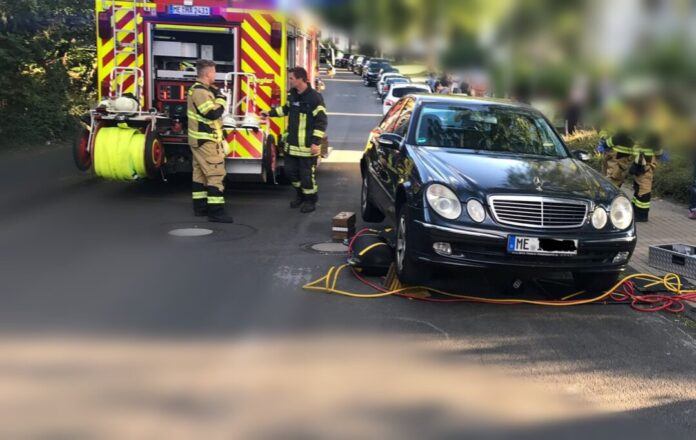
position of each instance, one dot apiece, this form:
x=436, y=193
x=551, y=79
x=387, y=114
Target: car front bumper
x=485, y=248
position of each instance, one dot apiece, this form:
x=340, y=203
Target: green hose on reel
x=120, y=153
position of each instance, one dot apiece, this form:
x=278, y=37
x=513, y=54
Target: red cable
x=627, y=291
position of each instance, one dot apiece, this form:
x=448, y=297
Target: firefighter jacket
x=307, y=121
x=206, y=106
x=647, y=144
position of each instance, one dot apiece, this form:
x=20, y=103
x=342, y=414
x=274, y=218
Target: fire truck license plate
x=541, y=246
x=189, y=10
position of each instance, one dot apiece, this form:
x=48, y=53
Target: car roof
x=463, y=99
x=404, y=85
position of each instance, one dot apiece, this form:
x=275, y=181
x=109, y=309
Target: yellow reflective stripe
x=208, y=136
x=199, y=118
x=314, y=188
x=302, y=131
x=318, y=110
x=643, y=205
x=197, y=195
x=206, y=106
x=648, y=151
x=300, y=151
x=318, y=133
x=221, y=101
x=279, y=111
x=216, y=200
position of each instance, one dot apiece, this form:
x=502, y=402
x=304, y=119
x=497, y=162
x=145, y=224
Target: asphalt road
x=87, y=269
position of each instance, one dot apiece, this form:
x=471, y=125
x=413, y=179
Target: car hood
x=468, y=172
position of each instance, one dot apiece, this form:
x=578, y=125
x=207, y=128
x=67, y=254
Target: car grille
x=538, y=212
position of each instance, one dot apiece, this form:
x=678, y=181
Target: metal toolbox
x=674, y=258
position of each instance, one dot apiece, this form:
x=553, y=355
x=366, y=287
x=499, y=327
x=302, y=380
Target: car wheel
x=370, y=213
x=596, y=281
x=408, y=269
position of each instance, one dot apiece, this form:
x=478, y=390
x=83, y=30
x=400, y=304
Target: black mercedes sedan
x=490, y=184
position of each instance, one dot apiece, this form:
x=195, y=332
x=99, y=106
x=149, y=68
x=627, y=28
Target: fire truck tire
x=154, y=154
x=270, y=160
x=81, y=154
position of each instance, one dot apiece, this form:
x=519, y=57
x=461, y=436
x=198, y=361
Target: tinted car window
x=403, y=91
x=487, y=128
x=390, y=119
x=404, y=118
x=397, y=81
x=376, y=67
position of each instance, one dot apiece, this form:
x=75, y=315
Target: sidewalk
x=668, y=225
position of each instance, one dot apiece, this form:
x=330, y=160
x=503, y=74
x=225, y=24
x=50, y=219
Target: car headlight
x=444, y=201
x=476, y=210
x=621, y=213
x=599, y=218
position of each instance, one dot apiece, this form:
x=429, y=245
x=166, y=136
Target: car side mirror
x=390, y=140
x=581, y=155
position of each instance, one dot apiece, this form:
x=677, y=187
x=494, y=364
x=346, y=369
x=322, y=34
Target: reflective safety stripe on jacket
x=204, y=111
x=307, y=121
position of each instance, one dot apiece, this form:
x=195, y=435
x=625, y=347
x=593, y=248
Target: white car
x=383, y=78
x=398, y=91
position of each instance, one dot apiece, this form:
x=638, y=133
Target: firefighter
x=307, y=121
x=631, y=147
x=206, y=105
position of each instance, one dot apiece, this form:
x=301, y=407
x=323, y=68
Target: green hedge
x=672, y=179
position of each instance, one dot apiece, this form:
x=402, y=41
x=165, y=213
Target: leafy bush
x=47, y=67
x=672, y=179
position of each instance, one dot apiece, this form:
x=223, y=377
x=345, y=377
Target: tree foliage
x=47, y=67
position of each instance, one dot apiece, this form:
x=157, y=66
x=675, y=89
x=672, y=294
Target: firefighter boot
x=298, y=200
x=216, y=214
x=216, y=206
x=309, y=204
x=200, y=207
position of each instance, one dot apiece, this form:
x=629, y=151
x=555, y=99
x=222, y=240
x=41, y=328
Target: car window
x=492, y=128
x=404, y=118
x=390, y=119
x=403, y=91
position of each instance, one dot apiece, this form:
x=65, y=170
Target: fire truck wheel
x=154, y=154
x=270, y=160
x=81, y=154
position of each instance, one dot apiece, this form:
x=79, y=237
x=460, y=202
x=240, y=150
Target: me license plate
x=541, y=246
x=189, y=10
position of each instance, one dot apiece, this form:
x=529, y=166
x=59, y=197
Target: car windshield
x=403, y=91
x=494, y=128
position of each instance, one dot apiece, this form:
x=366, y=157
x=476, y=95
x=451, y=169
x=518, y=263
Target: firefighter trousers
x=618, y=166
x=208, y=186
x=302, y=173
x=208, y=163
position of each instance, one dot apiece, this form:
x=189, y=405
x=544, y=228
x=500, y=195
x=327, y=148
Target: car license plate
x=189, y=10
x=541, y=246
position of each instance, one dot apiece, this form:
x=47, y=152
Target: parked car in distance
x=389, y=82
x=343, y=61
x=357, y=64
x=383, y=77
x=363, y=67
x=357, y=60
x=372, y=71
x=398, y=91
x=486, y=184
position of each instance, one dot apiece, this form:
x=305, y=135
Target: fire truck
x=147, y=52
